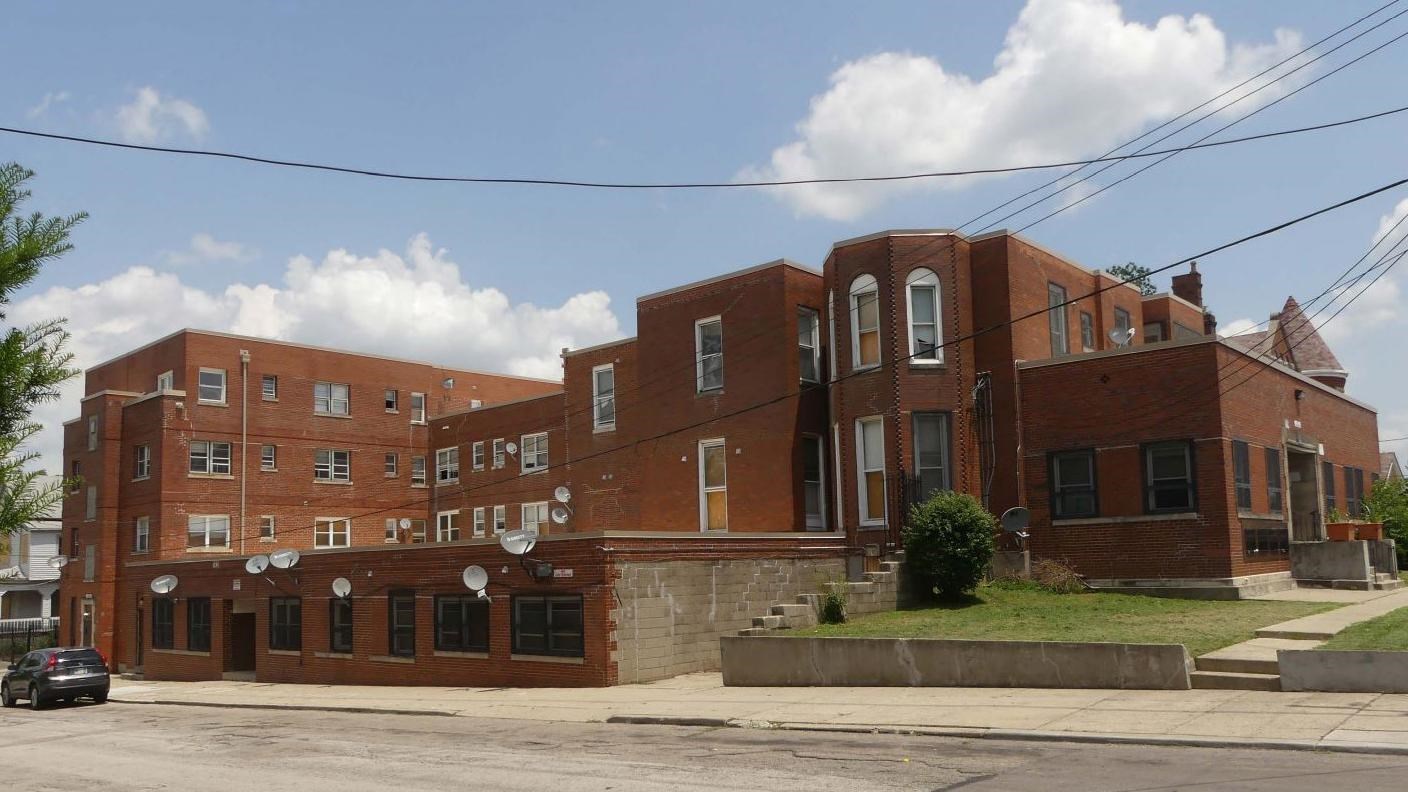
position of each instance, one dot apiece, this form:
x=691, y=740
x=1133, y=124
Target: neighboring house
x=1389, y=469
x=763, y=430
x=29, y=585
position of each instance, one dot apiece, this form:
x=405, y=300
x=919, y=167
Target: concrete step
x=1223, y=680
x=791, y=609
x=754, y=631
x=1257, y=656
x=1296, y=634
x=890, y=566
x=879, y=577
x=1388, y=585
x=768, y=622
x=1239, y=665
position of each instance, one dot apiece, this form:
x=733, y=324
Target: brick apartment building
x=763, y=431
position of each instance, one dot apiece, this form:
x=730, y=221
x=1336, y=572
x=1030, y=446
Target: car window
x=30, y=660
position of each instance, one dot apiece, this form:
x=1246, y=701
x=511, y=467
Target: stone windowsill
x=392, y=659
x=204, y=403
x=208, y=550
x=220, y=476
x=285, y=652
x=337, y=482
x=1251, y=515
x=531, y=658
x=607, y=429
x=184, y=652
x=266, y=539
x=1123, y=520
x=462, y=655
x=343, y=416
x=142, y=478
x=333, y=655
x=273, y=399
x=872, y=527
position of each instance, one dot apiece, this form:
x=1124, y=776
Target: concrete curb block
x=308, y=707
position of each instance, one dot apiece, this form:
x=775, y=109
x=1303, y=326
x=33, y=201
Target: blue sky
x=654, y=91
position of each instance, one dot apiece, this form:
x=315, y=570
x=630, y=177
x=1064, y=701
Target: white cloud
x=1073, y=78
x=1237, y=327
x=413, y=305
x=151, y=117
x=51, y=99
x=1380, y=306
x=206, y=248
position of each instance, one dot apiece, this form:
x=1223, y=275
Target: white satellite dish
x=475, y=578
x=342, y=587
x=284, y=559
x=58, y=562
x=164, y=584
x=256, y=564
x=562, y=494
x=559, y=515
x=405, y=523
x=512, y=448
x=1122, y=338
x=1015, y=519
x=518, y=542
x=484, y=595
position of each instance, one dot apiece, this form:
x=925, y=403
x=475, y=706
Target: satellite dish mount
x=518, y=543
x=1014, y=524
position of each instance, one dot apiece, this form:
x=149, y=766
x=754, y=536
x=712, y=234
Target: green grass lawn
x=1007, y=612
x=1389, y=631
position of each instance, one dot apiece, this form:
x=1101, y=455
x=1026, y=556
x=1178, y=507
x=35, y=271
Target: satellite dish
x=284, y=559
x=475, y=578
x=559, y=515
x=342, y=587
x=256, y=564
x=1122, y=338
x=562, y=494
x=164, y=584
x=58, y=562
x=512, y=448
x=484, y=595
x=1015, y=519
x=405, y=523
x=518, y=542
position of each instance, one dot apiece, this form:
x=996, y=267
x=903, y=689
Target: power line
x=1394, y=439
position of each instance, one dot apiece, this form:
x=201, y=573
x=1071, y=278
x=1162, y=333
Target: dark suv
x=47, y=675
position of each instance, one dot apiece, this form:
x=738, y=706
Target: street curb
x=1023, y=735
x=305, y=707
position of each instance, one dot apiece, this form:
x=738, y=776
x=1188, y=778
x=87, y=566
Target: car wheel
x=101, y=698
x=36, y=697
x=6, y=699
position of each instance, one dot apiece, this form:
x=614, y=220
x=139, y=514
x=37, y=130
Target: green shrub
x=833, y=604
x=1387, y=502
x=948, y=544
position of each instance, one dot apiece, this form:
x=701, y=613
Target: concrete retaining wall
x=1344, y=671
x=921, y=662
x=1330, y=561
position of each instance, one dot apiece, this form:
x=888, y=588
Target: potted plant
x=1338, y=527
x=1370, y=527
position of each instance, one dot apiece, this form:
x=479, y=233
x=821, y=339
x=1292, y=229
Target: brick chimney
x=1189, y=286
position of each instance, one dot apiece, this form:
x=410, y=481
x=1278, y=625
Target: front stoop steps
x=1250, y=665
x=875, y=593
x=1231, y=680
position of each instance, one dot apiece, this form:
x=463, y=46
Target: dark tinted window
x=401, y=623
x=1242, y=472
x=1168, y=477
x=1273, y=479
x=548, y=626
x=198, y=624
x=340, y=625
x=163, y=624
x=461, y=624
x=285, y=623
x=1073, y=484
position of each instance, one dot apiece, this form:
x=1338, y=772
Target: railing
x=1383, y=558
x=19, y=636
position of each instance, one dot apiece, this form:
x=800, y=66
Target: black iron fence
x=19, y=636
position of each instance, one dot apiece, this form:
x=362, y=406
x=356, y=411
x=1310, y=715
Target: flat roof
x=782, y=262
x=618, y=342
x=483, y=407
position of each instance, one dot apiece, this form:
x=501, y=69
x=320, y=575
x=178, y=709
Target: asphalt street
x=154, y=747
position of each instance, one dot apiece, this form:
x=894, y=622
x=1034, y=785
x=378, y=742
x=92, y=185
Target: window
x=198, y=624
x=391, y=534
x=1273, y=479
x=210, y=386
x=392, y=398
x=401, y=623
x=813, y=474
x=1153, y=332
x=270, y=388
x=709, y=353
x=447, y=464
x=266, y=527
x=1353, y=491
x=870, y=453
x=92, y=433
x=476, y=452
x=831, y=332
x=209, y=457
x=75, y=475
x=418, y=408
x=417, y=471
x=922, y=288
x=90, y=511
x=931, y=453
x=808, y=345
x=268, y=457
x=500, y=519
x=1073, y=485
x=208, y=530
x=389, y=466
x=548, y=626
x=535, y=517
x=1242, y=473
x=713, y=486
x=332, y=465
x=461, y=624
x=1087, y=332
x=603, y=401
x=331, y=398
x=286, y=623
x=865, y=321
x=1168, y=477
x=163, y=623
x=166, y=381
x=142, y=537
x=1327, y=480
x=417, y=531
x=340, y=625
x=498, y=453
x=1056, y=319
x=534, y=452
x=479, y=521
x=447, y=526
x=141, y=462
x=1123, y=326
x=1264, y=536
x=332, y=532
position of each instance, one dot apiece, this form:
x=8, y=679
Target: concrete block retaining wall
x=919, y=662
x=1344, y=671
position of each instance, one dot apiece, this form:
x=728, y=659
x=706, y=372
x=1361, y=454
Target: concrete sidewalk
x=1375, y=723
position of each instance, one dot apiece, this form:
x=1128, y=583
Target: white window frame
x=394, y=400
x=268, y=457
x=142, y=536
x=165, y=381
x=541, y=517
x=205, y=520
x=332, y=465
x=446, y=524
x=500, y=519
x=540, y=449
x=478, y=521
x=717, y=442
x=831, y=331
x=327, y=530
x=837, y=485
x=499, y=457
x=142, y=463
x=392, y=533
x=817, y=521
x=269, y=393
x=211, y=468
x=862, y=491
x=600, y=399
x=447, y=465
x=699, y=355
x=862, y=285
x=923, y=277
x=476, y=454
x=417, y=531
x=812, y=342
x=1057, y=321
x=417, y=408
x=328, y=405
x=391, y=464
x=418, y=478
x=224, y=386
x=268, y=528
x=92, y=433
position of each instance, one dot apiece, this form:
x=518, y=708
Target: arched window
x=865, y=322
x=925, y=334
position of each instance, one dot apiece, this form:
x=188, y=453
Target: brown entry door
x=241, y=642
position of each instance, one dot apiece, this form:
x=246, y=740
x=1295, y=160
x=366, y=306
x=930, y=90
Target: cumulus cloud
x=51, y=100
x=413, y=304
x=206, y=248
x=151, y=117
x=1237, y=327
x=1073, y=78
x=1380, y=306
